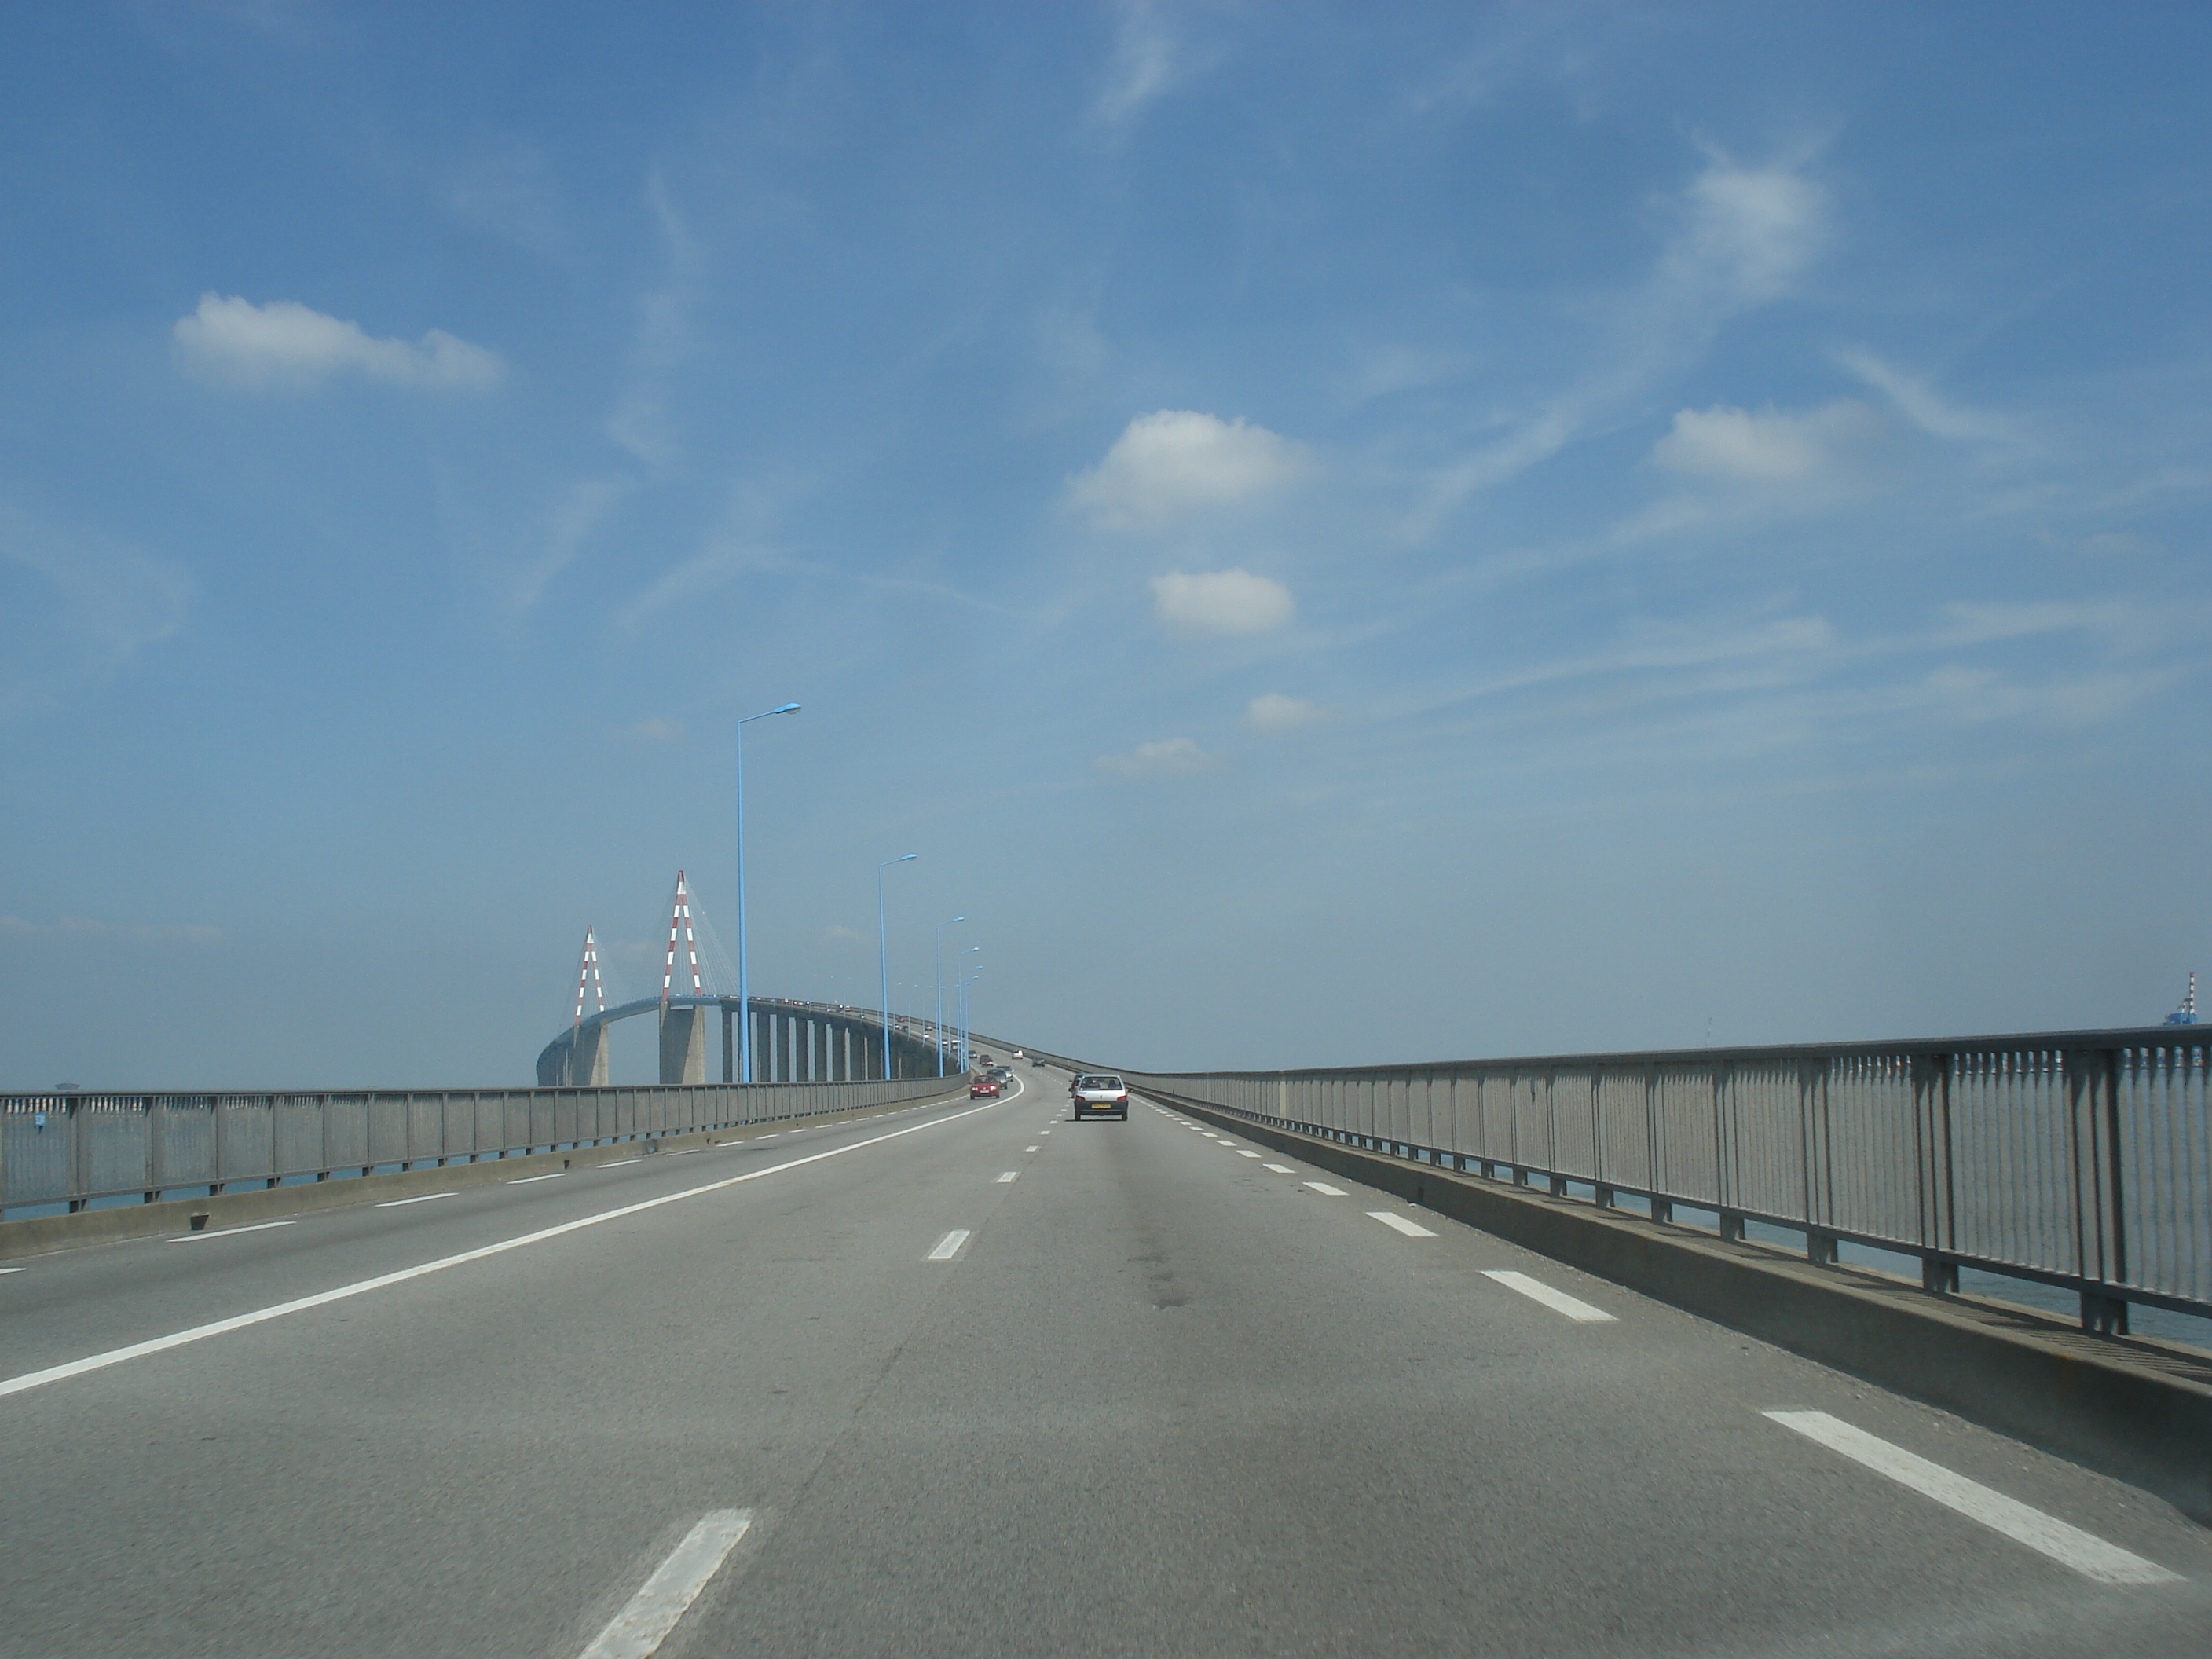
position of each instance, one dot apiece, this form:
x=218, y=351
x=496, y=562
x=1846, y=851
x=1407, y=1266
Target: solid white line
x=362, y=1286
x=2087, y=1553
x=1279, y=1168
x=394, y=1203
x=1557, y=1301
x=1411, y=1228
x=197, y=1238
x=1009, y=1175
x=11, y=1270
x=949, y=1246
x=637, y=1631
x=616, y=1162
x=524, y=1181
x=1325, y=1189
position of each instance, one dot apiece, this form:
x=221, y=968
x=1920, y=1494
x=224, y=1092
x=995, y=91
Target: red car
x=983, y=1085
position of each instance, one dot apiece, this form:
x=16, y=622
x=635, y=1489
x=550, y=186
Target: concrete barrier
x=2134, y=1409
x=41, y=1234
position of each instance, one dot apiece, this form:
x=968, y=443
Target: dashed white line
x=11, y=1270
x=949, y=1246
x=1279, y=1168
x=1411, y=1228
x=1325, y=1189
x=524, y=1181
x=2087, y=1553
x=1030, y=1149
x=1011, y=1175
x=421, y=1198
x=1557, y=1301
x=638, y=1630
x=1242, y=1153
x=197, y=1238
x=615, y=1162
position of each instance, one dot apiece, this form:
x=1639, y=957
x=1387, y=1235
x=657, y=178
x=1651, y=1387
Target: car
x=982, y=1086
x=1099, y=1093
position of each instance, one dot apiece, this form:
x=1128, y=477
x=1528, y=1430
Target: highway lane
x=1163, y=1397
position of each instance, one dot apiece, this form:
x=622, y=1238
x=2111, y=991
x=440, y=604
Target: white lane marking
x=524, y=1181
x=1241, y=1153
x=1010, y=1174
x=1411, y=1228
x=1028, y=1148
x=1557, y=1301
x=11, y=1270
x=2087, y=1553
x=198, y=1238
x=1044, y=1132
x=637, y=1631
x=949, y=1246
x=1279, y=1168
x=361, y=1286
x=1325, y=1189
x=615, y=1162
x=423, y=1197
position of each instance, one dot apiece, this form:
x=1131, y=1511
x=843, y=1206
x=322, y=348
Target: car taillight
x=1120, y=1100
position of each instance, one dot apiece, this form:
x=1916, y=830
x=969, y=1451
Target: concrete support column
x=588, y=1059
x=729, y=1045
x=683, y=1045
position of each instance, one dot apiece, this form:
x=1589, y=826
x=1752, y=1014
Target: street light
x=965, y=1005
x=936, y=1032
x=884, y=953
x=960, y=1005
x=745, y=998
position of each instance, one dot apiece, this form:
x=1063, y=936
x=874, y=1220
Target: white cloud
x=1169, y=757
x=1221, y=602
x=1272, y=714
x=1747, y=231
x=1764, y=445
x=288, y=346
x=1176, y=461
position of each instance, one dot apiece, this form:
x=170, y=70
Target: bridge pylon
x=683, y=1030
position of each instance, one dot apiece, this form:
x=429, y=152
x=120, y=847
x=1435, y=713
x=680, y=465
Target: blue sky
x=1337, y=532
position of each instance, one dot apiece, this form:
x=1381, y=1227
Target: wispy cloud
x=1168, y=757
x=1271, y=714
x=85, y=927
x=85, y=605
x=286, y=346
x=1153, y=54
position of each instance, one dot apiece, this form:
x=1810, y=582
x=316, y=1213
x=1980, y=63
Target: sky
x=1336, y=533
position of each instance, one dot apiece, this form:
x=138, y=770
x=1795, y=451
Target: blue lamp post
x=937, y=1031
x=960, y=1005
x=884, y=953
x=744, y=997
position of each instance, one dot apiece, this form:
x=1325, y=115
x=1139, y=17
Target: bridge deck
x=1152, y=1395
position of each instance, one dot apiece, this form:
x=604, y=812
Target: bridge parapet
x=2077, y=1159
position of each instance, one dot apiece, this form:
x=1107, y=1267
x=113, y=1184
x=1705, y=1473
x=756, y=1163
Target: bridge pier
x=683, y=1045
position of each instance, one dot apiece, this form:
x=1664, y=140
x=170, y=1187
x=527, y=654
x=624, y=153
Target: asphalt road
x=1164, y=1396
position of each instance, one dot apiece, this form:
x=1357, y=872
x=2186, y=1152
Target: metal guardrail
x=77, y=1149
x=2078, y=1159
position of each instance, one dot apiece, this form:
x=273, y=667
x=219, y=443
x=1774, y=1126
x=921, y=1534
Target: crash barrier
x=79, y=1149
x=2078, y=1159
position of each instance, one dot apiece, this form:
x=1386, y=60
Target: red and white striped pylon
x=587, y=979
x=679, y=921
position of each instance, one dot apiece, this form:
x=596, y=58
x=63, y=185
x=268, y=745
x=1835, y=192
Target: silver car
x=1099, y=1094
